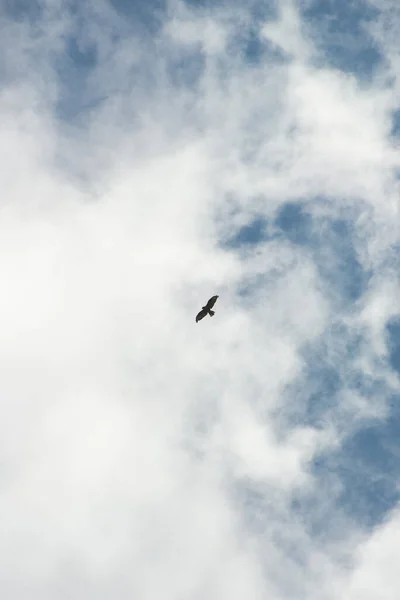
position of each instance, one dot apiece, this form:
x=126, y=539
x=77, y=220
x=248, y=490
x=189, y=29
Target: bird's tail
x=211, y=313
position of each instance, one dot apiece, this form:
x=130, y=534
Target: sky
x=155, y=154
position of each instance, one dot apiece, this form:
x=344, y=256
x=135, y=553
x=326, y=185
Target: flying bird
x=207, y=309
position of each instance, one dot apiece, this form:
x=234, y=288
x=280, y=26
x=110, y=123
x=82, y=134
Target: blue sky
x=155, y=154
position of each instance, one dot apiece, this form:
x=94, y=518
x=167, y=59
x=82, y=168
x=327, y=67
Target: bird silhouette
x=206, y=310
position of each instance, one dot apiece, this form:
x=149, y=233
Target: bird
x=207, y=309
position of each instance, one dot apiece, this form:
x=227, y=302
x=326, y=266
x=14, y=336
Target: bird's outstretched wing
x=211, y=302
x=201, y=314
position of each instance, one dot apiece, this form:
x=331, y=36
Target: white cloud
x=205, y=32
x=125, y=427
x=375, y=574
x=286, y=32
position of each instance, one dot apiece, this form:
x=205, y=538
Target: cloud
x=144, y=454
x=375, y=571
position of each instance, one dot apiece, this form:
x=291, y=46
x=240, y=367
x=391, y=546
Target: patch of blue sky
x=339, y=30
x=250, y=234
x=337, y=263
x=295, y=223
x=149, y=15
x=22, y=10
x=367, y=468
x=82, y=54
x=74, y=67
x=258, y=9
x=329, y=241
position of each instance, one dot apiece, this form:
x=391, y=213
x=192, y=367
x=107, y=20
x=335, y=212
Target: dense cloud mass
x=153, y=155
